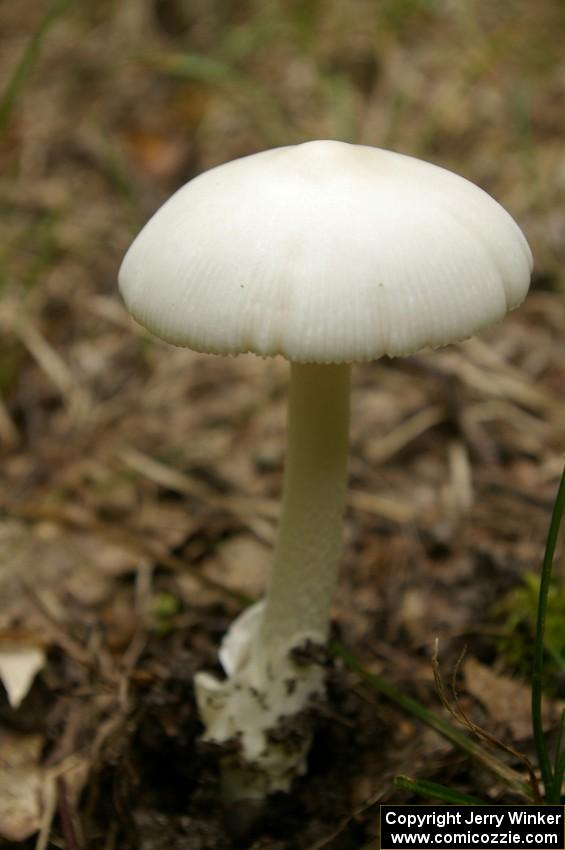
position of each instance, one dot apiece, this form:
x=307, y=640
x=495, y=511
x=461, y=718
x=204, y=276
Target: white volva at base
x=261, y=707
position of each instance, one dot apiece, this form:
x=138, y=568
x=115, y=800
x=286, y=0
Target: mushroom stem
x=305, y=560
x=262, y=706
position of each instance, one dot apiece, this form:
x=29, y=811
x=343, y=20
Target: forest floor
x=139, y=484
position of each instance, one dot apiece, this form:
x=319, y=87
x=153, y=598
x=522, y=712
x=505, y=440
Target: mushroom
x=326, y=253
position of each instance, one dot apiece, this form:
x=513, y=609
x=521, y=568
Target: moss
x=517, y=613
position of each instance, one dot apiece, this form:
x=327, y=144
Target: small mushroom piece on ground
x=327, y=254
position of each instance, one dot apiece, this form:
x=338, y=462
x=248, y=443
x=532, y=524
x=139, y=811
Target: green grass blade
x=545, y=583
x=27, y=61
x=257, y=99
x=435, y=791
x=511, y=778
x=558, y=779
x=558, y=754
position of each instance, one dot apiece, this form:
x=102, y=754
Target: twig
x=405, y=433
x=49, y=796
x=71, y=646
x=75, y=396
x=343, y=824
x=511, y=777
x=458, y=714
x=171, y=478
x=244, y=506
x=66, y=816
x=141, y=548
x=390, y=508
x=8, y=431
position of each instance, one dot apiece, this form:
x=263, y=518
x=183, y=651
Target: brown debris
x=507, y=701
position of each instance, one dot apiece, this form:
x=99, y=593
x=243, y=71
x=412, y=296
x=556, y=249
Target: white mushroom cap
x=325, y=252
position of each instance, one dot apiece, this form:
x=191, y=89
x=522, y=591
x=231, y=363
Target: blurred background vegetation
x=123, y=101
